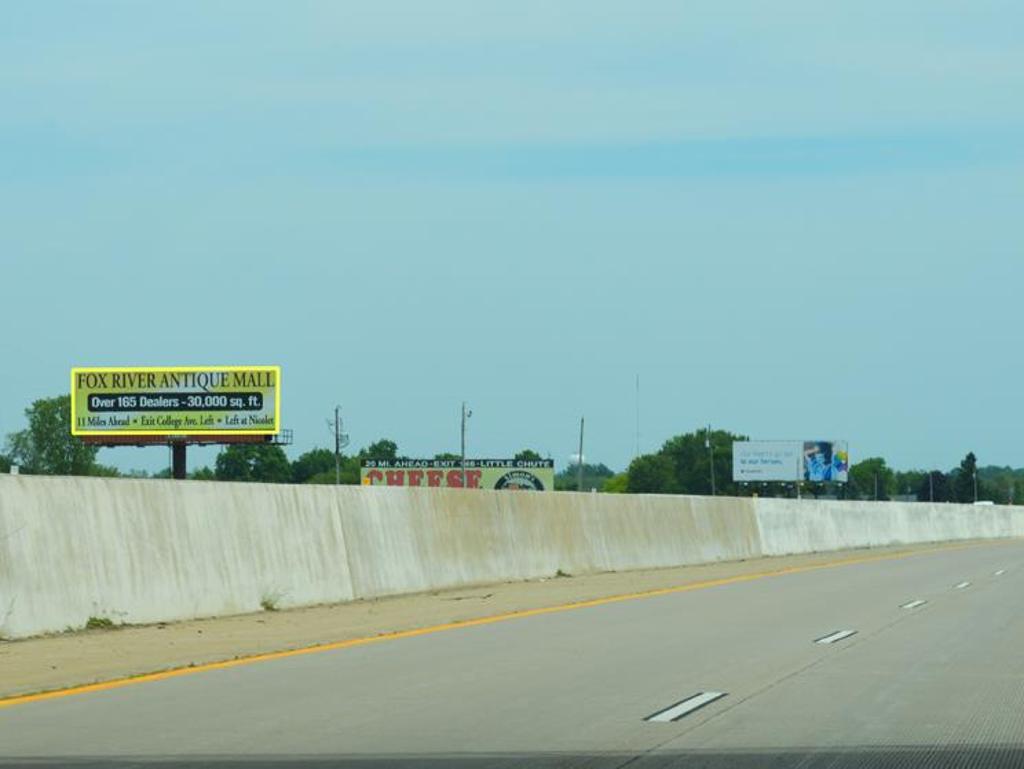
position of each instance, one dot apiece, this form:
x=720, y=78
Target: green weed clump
x=269, y=603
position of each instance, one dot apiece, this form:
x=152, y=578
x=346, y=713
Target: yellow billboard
x=176, y=400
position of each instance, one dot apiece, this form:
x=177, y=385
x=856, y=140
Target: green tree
x=382, y=449
x=46, y=446
x=935, y=486
x=1002, y=485
x=257, y=462
x=691, y=455
x=907, y=482
x=863, y=477
x=448, y=456
x=5, y=463
x=965, y=478
x=594, y=476
x=203, y=474
x=651, y=474
x=349, y=474
x=617, y=484
x=312, y=463
x=528, y=455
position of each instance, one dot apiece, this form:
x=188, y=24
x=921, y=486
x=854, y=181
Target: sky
x=789, y=220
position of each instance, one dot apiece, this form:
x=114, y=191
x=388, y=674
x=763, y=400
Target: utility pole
x=876, y=487
x=711, y=456
x=340, y=442
x=579, y=461
x=931, y=485
x=466, y=414
x=975, y=485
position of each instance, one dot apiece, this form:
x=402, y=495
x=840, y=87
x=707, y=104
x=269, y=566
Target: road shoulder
x=90, y=657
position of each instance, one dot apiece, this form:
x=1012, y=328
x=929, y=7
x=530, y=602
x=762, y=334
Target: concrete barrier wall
x=410, y=540
x=802, y=526
x=143, y=550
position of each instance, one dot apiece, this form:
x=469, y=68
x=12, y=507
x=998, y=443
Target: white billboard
x=761, y=461
x=790, y=461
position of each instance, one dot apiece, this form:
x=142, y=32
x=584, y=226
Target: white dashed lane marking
x=831, y=638
x=684, y=708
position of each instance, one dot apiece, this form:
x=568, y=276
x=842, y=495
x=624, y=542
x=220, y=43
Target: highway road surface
x=915, y=661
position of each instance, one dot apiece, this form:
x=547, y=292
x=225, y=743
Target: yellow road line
x=183, y=671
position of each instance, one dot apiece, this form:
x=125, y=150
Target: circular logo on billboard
x=519, y=480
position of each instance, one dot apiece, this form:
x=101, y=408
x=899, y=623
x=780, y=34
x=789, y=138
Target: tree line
x=690, y=463
x=685, y=464
x=46, y=447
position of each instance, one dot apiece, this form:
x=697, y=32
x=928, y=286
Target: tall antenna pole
x=636, y=450
x=337, y=445
x=579, y=461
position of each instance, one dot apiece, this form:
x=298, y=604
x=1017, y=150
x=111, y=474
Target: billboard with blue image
x=826, y=462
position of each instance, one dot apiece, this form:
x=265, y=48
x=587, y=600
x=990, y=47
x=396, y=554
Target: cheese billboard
x=512, y=474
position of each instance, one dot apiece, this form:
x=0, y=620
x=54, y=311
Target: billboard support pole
x=799, y=473
x=178, y=471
